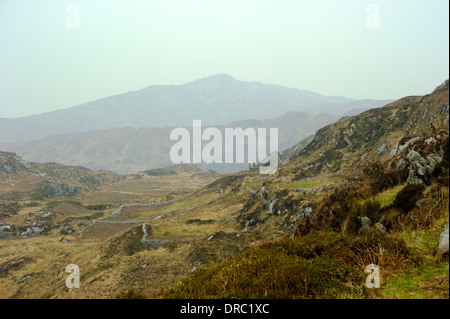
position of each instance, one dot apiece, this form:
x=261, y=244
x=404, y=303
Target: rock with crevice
x=421, y=169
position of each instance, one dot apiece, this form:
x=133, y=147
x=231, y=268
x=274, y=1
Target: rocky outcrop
x=304, y=213
x=32, y=231
x=382, y=149
x=418, y=157
x=421, y=169
x=285, y=156
x=7, y=231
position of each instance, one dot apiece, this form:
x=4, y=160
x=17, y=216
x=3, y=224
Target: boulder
x=421, y=169
x=352, y=129
x=304, y=212
x=382, y=149
x=365, y=222
x=443, y=242
x=273, y=206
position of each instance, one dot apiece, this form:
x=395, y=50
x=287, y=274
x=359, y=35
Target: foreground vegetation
x=327, y=254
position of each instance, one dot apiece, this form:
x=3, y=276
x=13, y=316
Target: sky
x=56, y=54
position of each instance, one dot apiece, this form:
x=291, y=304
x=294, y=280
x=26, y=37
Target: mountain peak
x=220, y=78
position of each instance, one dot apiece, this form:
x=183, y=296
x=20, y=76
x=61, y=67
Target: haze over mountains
x=130, y=132
x=129, y=150
x=216, y=100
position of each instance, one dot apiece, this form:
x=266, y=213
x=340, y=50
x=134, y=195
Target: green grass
x=180, y=205
x=425, y=282
x=387, y=197
x=292, y=185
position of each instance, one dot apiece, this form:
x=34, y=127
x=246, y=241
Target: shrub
x=277, y=270
x=441, y=171
x=380, y=178
x=408, y=196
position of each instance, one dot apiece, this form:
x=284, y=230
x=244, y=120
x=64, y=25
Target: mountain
x=216, y=100
x=128, y=150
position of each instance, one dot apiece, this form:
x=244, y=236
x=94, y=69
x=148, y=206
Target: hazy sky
x=330, y=47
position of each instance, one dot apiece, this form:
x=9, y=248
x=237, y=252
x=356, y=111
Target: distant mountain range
x=129, y=150
x=216, y=100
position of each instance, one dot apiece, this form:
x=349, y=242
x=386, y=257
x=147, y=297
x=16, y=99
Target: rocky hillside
x=381, y=133
x=46, y=180
x=370, y=189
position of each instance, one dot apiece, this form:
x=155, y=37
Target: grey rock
x=349, y=143
x=25, y=278
x=421, y=169
x=443, y=242
x=273, y=206
x=32, y=231
x=442, y=109
x=365, y=222
x=304, y=213
x=382, y=149
x=397, y=149
x=352, y=129
x=288, y=228
x=285, y=180
x=7, y=231
x=262, y=191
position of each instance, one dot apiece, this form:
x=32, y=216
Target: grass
x=387, y=197
x=426, y=282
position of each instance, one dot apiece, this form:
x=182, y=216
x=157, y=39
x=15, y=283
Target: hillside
x=217, y=100
x=386, y=205
x=374, y=134
x=46, y=180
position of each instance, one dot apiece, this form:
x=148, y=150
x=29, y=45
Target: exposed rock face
x=365, y=222
x=7, y=231
x=418, y=156
x=398, y=149
x=304, y=212
x=273, y=206
x=32, y=231
x=285, y=156
x=352, y=129
x=11, y=163
x=421, y=169
x=382, y=149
